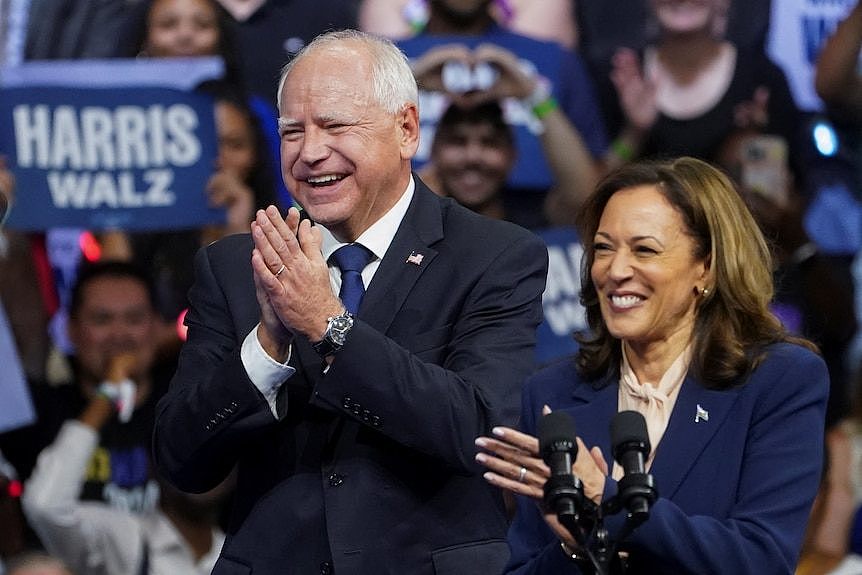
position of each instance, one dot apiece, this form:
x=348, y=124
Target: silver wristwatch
x=335, y=335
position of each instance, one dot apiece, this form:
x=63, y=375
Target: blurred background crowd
x=524, y=106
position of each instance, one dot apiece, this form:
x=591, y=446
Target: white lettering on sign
x=96, y=138
x=87, y=190
x=560, y=301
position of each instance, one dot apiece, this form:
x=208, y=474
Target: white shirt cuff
x=264, y=372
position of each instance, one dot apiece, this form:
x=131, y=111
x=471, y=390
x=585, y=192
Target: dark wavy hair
x=733, y=322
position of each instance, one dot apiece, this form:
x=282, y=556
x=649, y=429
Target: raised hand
x=291, y=279
x=637, y=94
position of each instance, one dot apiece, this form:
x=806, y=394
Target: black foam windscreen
x=627, y=428
x=556, y=428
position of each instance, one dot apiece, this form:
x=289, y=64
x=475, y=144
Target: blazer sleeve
x=211, y=408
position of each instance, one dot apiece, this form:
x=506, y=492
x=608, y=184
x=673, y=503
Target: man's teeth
x=625, y=300
x=323, y=179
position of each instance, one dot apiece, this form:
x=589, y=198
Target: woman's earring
x=704, y=291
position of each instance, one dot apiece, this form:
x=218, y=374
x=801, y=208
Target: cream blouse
x=654, y=402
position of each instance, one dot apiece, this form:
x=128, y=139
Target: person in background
x=813, y=289
x=573, y=169
x=550, y=20
x=269, y=33
x=690, y=87
x=352, y=416
x=837, y=79
x=199, y=28
x=23, y=307
x=112, y=314
x=677, y=281
x=94, y=538
x=471, y=157
x=839, y=84
x=240, y=184
x=462, y=51
x=58, y=30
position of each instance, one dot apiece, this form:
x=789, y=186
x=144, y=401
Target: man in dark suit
x=353, y=425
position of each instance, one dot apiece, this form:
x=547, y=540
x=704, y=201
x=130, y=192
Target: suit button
x=356, y=409
x=366, y=415
x=346, y=402
x=326, y=568
x=376, y=420
x=335, y=479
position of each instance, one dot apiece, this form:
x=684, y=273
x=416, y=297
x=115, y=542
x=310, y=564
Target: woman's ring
x=522, y=474
x=281, y=269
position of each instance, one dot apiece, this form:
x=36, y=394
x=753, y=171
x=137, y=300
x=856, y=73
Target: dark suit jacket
x=370, y=467
x=735, y=488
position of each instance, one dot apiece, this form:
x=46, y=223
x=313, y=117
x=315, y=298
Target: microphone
x=631, y=447
x=563, y=491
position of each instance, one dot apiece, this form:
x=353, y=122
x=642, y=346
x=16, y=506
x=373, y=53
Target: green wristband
x=623, y=150
x=545, y=107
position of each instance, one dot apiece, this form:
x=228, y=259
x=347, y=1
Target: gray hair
x=392, y=83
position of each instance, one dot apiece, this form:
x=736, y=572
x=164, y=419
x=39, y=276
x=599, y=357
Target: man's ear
x=408, y=126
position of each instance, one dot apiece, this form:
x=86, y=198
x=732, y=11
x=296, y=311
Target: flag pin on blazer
x=701, y=414
x=414, y=258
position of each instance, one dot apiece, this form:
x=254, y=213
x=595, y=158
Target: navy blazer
x=735, y=486
x=370, y=467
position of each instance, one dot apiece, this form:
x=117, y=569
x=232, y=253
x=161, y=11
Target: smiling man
x=350, y=395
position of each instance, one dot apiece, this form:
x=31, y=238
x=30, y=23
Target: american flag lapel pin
x=701, y=414
x=415, y=258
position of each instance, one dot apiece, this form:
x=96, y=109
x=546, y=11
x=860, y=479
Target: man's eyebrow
x=285, y=123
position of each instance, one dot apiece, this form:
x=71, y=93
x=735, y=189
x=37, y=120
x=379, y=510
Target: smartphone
x=764, y=167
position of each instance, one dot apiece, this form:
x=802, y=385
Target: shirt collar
x=380, y=234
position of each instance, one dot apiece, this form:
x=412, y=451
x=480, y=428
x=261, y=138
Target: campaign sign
x=130, y=157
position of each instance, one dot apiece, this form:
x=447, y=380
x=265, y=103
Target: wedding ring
x=281, y=269
x=522, y=474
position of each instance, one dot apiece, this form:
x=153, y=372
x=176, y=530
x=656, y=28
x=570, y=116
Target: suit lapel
x=407, y=258
x=595, y=409
x=698, y=414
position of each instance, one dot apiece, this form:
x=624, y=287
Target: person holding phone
x=813, y=289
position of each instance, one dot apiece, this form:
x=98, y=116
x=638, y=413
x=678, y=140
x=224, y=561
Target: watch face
x=338, y=329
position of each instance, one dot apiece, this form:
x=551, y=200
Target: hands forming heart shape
x=471, y=77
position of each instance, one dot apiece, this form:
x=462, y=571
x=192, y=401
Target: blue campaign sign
x=135, y=156
x=563, y=313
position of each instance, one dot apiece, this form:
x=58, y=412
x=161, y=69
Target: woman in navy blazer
x=677, y=283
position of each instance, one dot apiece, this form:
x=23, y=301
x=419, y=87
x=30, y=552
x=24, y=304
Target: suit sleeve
x=439, y=409
x=211, y=409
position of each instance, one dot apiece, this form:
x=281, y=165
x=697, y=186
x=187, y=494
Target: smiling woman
x=676, y=283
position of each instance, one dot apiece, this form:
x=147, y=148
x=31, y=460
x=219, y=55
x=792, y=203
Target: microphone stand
x=565, y=494
x=584, y=520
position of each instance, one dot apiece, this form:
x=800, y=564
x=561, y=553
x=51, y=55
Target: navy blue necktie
x=351, y=260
